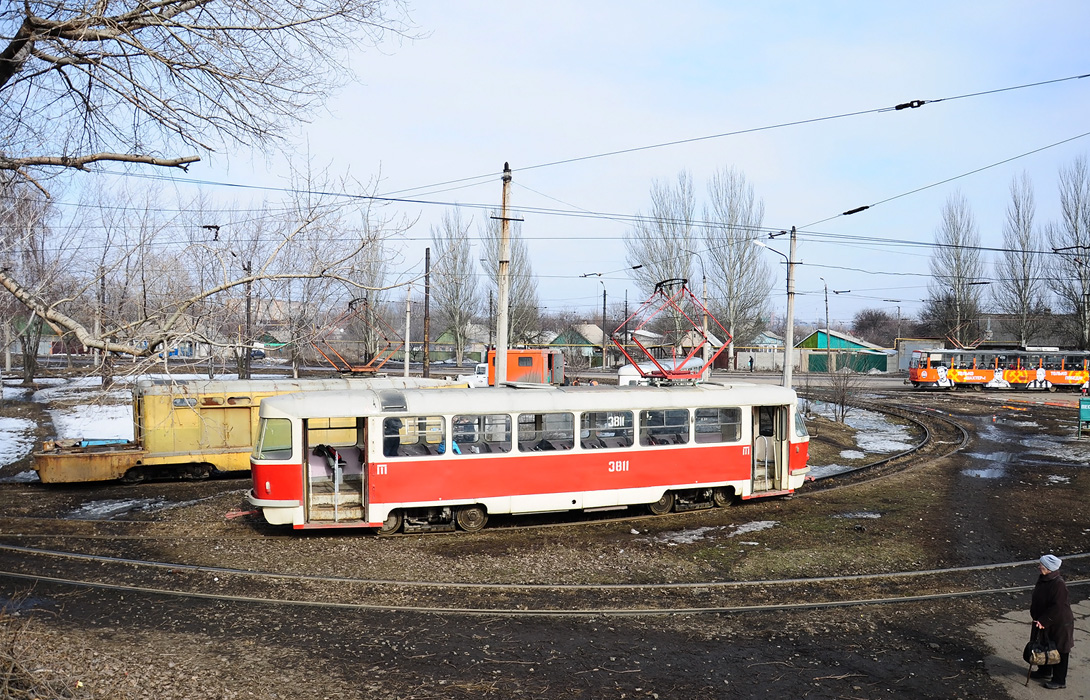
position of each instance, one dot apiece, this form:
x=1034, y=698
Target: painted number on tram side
x=618, y=465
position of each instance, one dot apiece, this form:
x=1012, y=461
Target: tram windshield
x=273, y=439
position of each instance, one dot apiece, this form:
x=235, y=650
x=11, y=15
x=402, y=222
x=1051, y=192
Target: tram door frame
x=769, y=448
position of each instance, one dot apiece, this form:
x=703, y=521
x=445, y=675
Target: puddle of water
x=859, y=515
x=989, y=473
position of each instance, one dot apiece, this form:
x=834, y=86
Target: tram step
x=325, y=513
x=345, y=498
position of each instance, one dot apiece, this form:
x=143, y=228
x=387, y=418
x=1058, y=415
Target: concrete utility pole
x=789, y=335
x=503, y=283
x=789, y=332
x=426, y=372
x=408, y=341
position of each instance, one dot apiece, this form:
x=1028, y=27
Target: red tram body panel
x=428, y=460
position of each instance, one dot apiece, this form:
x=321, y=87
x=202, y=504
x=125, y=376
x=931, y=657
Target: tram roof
x=510, y=400
x=283, y=385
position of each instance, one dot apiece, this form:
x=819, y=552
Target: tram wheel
x=662, y=506
x=471, y=518
x=722, y=498
x=134, y=475
x=978, y=387
x=392, y=523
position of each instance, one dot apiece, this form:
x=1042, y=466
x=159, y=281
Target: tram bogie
x=443, y=460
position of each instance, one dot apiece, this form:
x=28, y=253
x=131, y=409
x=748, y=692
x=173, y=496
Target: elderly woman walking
x=1051, y=612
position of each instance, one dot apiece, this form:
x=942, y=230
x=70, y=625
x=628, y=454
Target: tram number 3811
x=618, y=465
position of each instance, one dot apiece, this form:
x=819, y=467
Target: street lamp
x=789, y=333
x=898, y=303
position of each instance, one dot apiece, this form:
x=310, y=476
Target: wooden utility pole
x=503, y=283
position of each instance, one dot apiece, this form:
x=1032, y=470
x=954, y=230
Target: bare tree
x=659, y=246
x=954, y=299
x=157, y=298
x=1070, y=238
x=523, y=309
x=35, y=248
x=875, y=326
x=1020, y=288
x=741, y=279
x=133, y=81
x=454, y=286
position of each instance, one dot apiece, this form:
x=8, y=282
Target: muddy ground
x=939, y=514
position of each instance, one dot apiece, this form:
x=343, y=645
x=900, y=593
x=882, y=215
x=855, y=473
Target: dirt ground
x=943, y=513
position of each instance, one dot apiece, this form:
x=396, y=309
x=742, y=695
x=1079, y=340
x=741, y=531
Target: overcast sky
x=532, y=83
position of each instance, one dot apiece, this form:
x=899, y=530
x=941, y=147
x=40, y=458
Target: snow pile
x=15, y=439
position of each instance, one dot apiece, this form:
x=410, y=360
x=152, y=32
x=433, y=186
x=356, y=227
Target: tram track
x=529, y=600
x=942, y=436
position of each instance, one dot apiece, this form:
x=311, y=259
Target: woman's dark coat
x=1051, y=608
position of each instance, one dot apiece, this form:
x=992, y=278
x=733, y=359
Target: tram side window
x=481, y=434
x=611, y=429
x=542, y=432
x=273, y=439
x=669, y=427
x=413, y=436
x=718, y=425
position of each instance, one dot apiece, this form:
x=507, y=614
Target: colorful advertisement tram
x=999, y=369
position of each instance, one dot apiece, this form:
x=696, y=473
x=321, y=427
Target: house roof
x=836, y=340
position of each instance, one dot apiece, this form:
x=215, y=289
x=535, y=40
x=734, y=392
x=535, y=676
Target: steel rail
x=511, y=612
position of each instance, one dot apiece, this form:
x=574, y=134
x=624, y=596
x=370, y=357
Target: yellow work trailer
x=189, y=429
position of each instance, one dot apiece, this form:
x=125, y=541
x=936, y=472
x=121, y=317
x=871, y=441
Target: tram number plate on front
x=618, y=465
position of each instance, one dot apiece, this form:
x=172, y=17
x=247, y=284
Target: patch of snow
x=852, y=454
x=110, y=508
x=876, y=435
x=686, y=536
x=1057, y=479
x=829, y=470
x=859, y=515
x=16, y=439
x=103, y=422
x=26, y=477
x=755, y=526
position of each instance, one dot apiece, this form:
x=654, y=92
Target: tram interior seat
x=590, y=443
x=350, y=459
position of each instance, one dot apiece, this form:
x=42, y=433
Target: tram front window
x=273, y=439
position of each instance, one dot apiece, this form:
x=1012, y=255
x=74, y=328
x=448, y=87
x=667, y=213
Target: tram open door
x=770, y=448
x=335, y=470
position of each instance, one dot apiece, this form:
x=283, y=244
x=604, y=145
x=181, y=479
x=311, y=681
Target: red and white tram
x=430, y=460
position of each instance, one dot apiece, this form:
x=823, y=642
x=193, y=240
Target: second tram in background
x=1000, y=369
x=436, y=460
